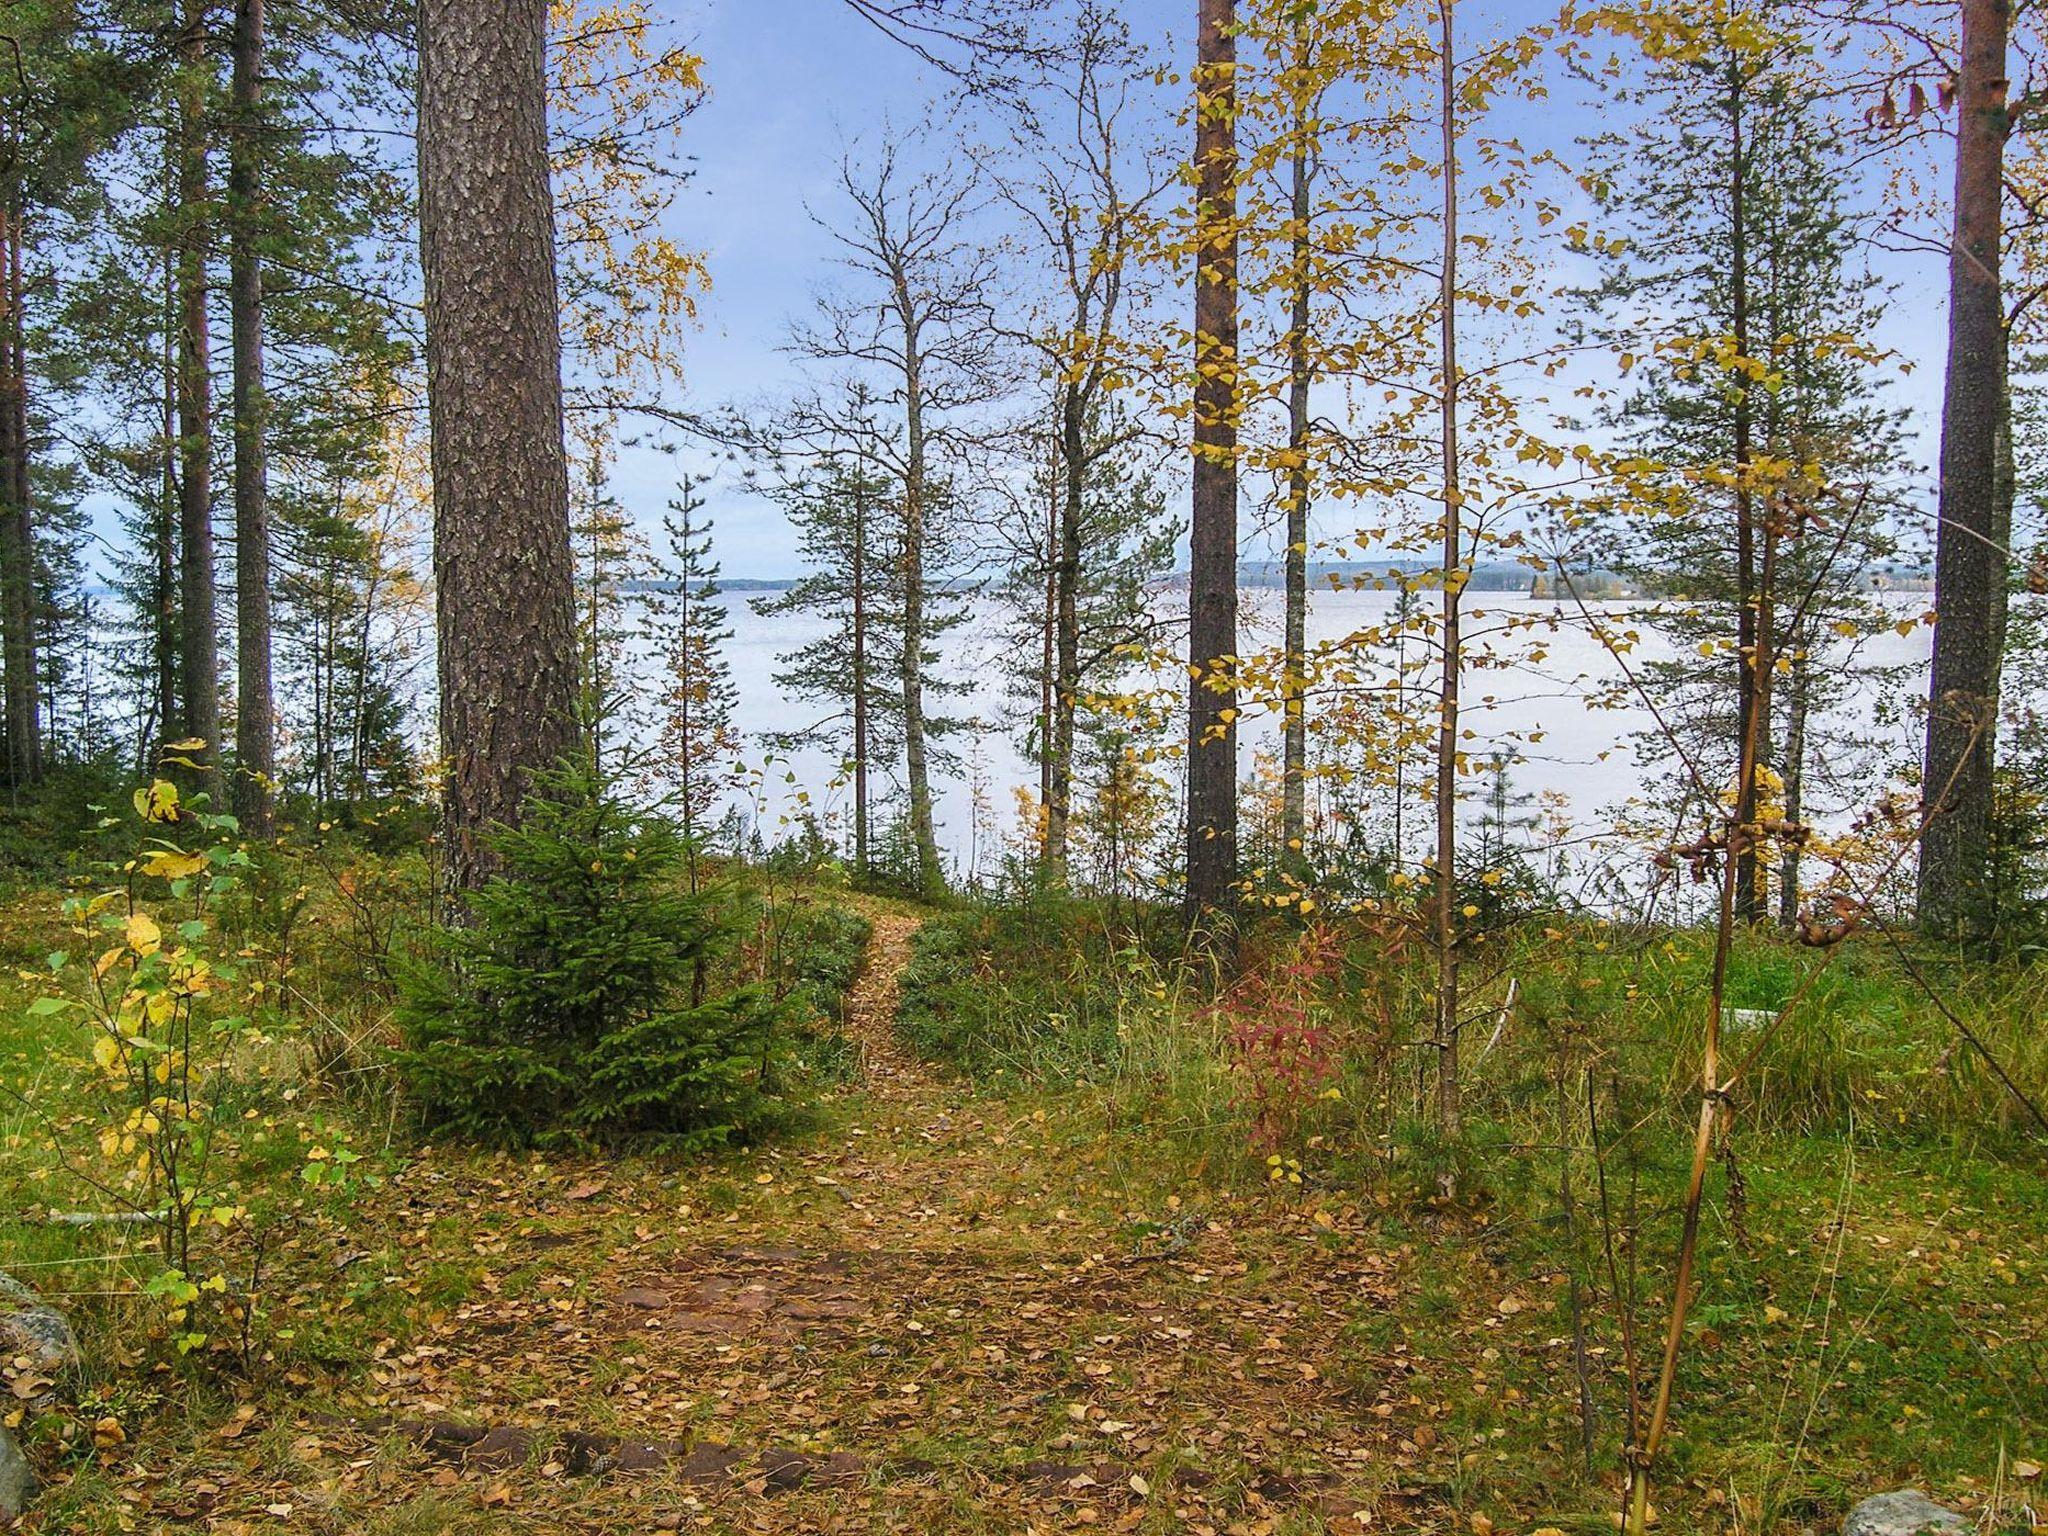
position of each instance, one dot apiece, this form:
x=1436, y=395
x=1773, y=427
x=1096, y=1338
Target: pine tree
x=1212, y=576
x=1083, y=602
x=502, y=562
x=687, y=624
x=1972, y=559
x=567, y=1011
x=611, y=559
x=66, y=96
x=1734, y=201
x=917, y=329
x=841, y=509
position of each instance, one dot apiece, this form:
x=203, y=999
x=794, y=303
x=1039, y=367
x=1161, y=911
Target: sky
x=793, y=83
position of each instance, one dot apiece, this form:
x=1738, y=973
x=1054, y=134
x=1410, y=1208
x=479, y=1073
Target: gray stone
x=1908, y=1512
x=28, y=1326
x=17, y=1483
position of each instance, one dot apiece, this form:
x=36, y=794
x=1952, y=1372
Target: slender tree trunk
x=1969, y=560
x=1450, y=1114
x=17, y=516
x=1798, y=698
x=1212, y=565
x=1294, y=679
x=164, y=534
x=323, y=692
x=1750, y=894
x=1048, y=660
x=1066, y=685
x=860, y=677
x=504, y=574
x=199, y=639
x=931, y=879
x=255, y=706
x=359, y=679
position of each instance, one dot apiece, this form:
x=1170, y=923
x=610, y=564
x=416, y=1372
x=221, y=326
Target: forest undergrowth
x=1059, y=1231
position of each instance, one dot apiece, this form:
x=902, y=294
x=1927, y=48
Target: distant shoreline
x=1492, y=576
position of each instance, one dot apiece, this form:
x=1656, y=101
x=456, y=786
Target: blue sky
x=792, y=83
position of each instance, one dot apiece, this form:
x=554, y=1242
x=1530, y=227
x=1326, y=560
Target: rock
x=17, y=1483
x=1908, y=1512
x=28, y=1326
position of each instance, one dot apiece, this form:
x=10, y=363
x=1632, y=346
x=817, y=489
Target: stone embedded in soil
x=775, y=1291
x=1906, y=1512
x=17, y=1482
x=581, y=1455
x=29, y=1326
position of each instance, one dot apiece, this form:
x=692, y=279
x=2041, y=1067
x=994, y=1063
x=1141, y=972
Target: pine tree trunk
x=1212, y=565
x=1969, y=563
x=1294, y=724
x=504, y=574
x=198, y=647
x=255, y=707
x=18, y=616
x=164, y=538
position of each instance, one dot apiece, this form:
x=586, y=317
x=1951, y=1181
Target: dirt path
x=885, y=1061
x=951, y=1311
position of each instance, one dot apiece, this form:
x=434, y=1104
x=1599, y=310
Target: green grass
x=1869, y=1312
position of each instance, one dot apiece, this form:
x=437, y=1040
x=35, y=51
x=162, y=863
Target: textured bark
x=1969, y=561
x=18, y=605
x=255, y=707
x=199, y=657
x=1212, y=566
x=163, y=548
x=504, y=574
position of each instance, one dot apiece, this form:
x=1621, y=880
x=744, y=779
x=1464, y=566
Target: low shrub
x=568, y=1007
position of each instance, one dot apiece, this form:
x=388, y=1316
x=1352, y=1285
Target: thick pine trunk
x=255, y=708
x=504, y=575
x=198, y=641
x=1969, y=562
x=1212, y=566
